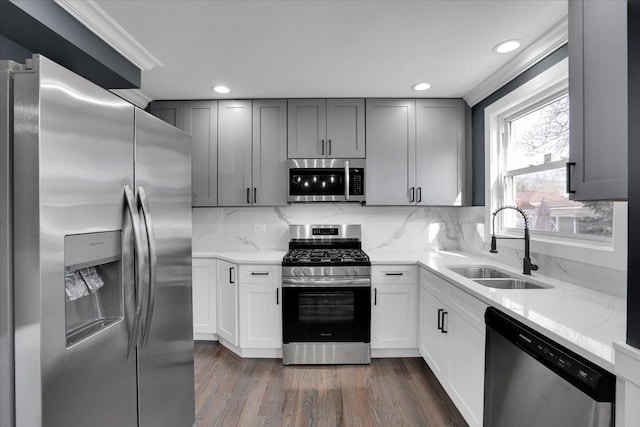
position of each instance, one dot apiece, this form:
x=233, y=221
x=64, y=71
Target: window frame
x=550, y=84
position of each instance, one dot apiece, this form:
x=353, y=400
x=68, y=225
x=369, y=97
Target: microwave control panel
x=357, y=182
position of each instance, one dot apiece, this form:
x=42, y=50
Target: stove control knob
x=294, y=271
x=306, y=272
x=350, y=271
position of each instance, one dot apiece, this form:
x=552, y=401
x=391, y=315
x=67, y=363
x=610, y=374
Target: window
x=526, y=149
x=535, y=149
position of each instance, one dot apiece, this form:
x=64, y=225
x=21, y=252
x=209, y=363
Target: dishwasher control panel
x=559, y=359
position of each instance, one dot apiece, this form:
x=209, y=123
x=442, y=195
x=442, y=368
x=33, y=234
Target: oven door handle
x=314, y=283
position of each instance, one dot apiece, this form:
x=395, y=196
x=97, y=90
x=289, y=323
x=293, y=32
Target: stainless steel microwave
x=326, y=180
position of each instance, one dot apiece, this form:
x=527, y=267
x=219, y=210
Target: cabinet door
x=169, y=111
x=307, y=128
x=433, y=344
x=228, y=302
x=598, y=94
x=234, y=153
x=440, y=151
x=260, y=316
x=394, y=316
x=201, y=122
x=204, y=296
x=345, y=128
x=269, y=153
x=466, y=367
x=391, y=140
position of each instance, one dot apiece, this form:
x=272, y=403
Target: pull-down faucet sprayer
x=527, y=265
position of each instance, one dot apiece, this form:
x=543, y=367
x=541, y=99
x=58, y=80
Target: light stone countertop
x=585, y=321
x=265, y=257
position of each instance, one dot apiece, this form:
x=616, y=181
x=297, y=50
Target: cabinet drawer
x=468, y=307
x=434, y=284
x=404, y=274
x=260, y=274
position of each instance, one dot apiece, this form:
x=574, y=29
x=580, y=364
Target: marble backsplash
x=384, y=228
x=260, y=229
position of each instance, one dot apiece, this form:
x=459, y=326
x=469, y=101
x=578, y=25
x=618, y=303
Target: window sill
x=602, y=254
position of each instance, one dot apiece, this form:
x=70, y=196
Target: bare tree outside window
x=537, y=148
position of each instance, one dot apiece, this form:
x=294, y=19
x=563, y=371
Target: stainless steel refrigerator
x=95, y=228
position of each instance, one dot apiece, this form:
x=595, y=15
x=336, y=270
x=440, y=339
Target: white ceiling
x=289, y=49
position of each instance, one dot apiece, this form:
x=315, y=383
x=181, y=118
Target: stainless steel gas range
x=326, y=296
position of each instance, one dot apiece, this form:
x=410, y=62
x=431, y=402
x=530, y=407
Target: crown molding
x=546, y=44
x=134, y=96
x=92, y=16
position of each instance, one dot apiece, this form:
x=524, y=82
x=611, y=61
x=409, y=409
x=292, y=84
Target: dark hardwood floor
x=233, y=391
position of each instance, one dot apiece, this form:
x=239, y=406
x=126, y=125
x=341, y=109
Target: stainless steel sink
x=479, y=272
x=511, y=283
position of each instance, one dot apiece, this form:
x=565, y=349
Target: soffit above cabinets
x=305, y=49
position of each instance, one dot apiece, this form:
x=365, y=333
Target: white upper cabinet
x=234, y=153
x=331, y=128
x=440, y=151
x=416, y=151
x=345, y=128
x=598, y=99
x=391, y=145
x=269, y=148
x=169, y=111
x=201, y=122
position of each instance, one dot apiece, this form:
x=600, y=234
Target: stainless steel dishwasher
x=531, y=380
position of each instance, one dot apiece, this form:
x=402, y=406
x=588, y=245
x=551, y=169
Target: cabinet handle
x=569, y=165
x=419, y=194
x=412, y=192
x=394, y=274
x=259, y=273
x=323, y=147
x=248, y=191
x=232, y=275
x=444, y=313
x=329, y=147
x=277, y=296
x=375, y=296
x=440, y=319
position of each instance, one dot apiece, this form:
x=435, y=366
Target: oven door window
x=317, y=182
x=326, y=314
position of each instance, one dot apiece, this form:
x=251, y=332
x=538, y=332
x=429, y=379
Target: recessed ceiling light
x=421, y=86
x=221, y=89
x=507, y=46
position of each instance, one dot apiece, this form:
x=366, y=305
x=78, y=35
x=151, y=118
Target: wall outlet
x=259, y=227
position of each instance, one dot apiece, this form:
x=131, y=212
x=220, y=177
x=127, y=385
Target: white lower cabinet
x=228, y=302
x=260, y=307
x=466, y=367
x=452, y=342
x=394, y=307
x=204, y=299
x=394, y=316
x=432, y=341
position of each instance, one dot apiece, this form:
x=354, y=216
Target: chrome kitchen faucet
x=527, y=265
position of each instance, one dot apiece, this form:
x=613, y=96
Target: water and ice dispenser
x=92, y=283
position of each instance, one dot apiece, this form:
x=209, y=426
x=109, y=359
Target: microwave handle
x=346, y=179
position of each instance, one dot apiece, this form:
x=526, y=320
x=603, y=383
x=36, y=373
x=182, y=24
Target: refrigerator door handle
x=153, y=262
x=137, y=241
